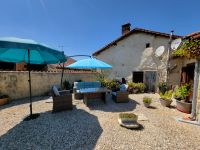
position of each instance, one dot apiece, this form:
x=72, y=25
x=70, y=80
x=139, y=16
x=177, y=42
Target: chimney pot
x=126, y=28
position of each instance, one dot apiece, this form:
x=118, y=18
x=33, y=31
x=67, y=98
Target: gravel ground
x=95, y=127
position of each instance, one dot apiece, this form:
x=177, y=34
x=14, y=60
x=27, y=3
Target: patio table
x=93, y=93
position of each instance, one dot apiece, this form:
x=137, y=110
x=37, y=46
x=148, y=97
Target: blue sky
x=83, y=26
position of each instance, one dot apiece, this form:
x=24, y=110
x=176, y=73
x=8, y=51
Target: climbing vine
x=189, y=49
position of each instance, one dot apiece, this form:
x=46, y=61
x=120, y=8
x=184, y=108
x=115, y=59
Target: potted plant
x=165, y=99
x=113, y=85
x=136, y=87
x=128, y=117
x=147, y=101
x=163, y=87
x=181, y=94
x=4, y=99
x=128, y=120
x=101, y=78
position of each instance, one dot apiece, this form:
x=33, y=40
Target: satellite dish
x=159, y=51
x=175, y=44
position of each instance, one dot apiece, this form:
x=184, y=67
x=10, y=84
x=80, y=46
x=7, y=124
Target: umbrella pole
x=31, y=116
x=62, y=76
x=29, y=80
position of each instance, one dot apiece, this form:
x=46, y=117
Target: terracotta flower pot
x=165, y=103
x=183, y=106
x=3, y=101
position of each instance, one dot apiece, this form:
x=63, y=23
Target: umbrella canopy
x=16, y=50
x=89, y=63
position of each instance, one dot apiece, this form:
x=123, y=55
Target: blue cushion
x=82, y=85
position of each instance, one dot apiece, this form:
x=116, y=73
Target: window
x=138, y=76
x=147, y=45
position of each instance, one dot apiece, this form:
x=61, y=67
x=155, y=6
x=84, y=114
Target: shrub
x=127, y=115
x=113, y=85
x=66, y=85
x=104, y=82
x=167, y=95
x=189, y=49
x=182, y=92
x=136, y=87
x=147, y=100
x=163, y=87
x=101, y=78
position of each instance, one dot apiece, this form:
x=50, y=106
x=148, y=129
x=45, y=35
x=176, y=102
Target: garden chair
x=122, y=95
x=62, y=100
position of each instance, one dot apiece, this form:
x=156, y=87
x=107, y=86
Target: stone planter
x=146, y=104
x=165, y=103
x=3, y=101
x=183, y=106
x=128, y=120
x=128, y=117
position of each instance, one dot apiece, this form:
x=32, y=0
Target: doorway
x=150, y=81
x=187, y=75
x=146, y=77
x=138, y=76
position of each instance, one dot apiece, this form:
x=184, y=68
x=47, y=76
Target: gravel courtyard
x=95, y=127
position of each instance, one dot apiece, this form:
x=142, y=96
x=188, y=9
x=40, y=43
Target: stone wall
x=176, y=65
x=131, y=54
x=15, y=84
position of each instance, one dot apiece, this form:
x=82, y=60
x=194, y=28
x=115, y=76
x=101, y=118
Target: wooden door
x=150, y=80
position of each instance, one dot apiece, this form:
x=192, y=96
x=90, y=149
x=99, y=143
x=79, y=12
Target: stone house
x=133, y=57
x=184, y=70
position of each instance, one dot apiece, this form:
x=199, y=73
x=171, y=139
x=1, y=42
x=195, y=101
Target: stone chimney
x=126, y=28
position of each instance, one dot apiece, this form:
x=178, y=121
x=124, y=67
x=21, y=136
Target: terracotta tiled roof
x=136, y=30
x=57, y=66
x=194, y=35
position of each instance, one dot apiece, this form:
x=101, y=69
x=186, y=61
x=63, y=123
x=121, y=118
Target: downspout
x=168, y=55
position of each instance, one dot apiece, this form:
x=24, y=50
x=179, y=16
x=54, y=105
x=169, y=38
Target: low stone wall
x=15, y=84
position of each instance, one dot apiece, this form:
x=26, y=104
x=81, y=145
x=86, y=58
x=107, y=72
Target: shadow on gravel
x=141, y=127
x=111, y=106
x=76, y=129
x=172, y=107
x=152, y=107
x=24, y=101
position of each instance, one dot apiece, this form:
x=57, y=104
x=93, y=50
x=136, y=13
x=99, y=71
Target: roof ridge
x=130, y=33
x=195, y=34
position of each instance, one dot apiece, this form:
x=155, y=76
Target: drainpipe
x=195, y=89
x=168, y=55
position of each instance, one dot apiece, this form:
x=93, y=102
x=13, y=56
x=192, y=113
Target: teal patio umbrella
x=18, y=50
x=89, y=63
